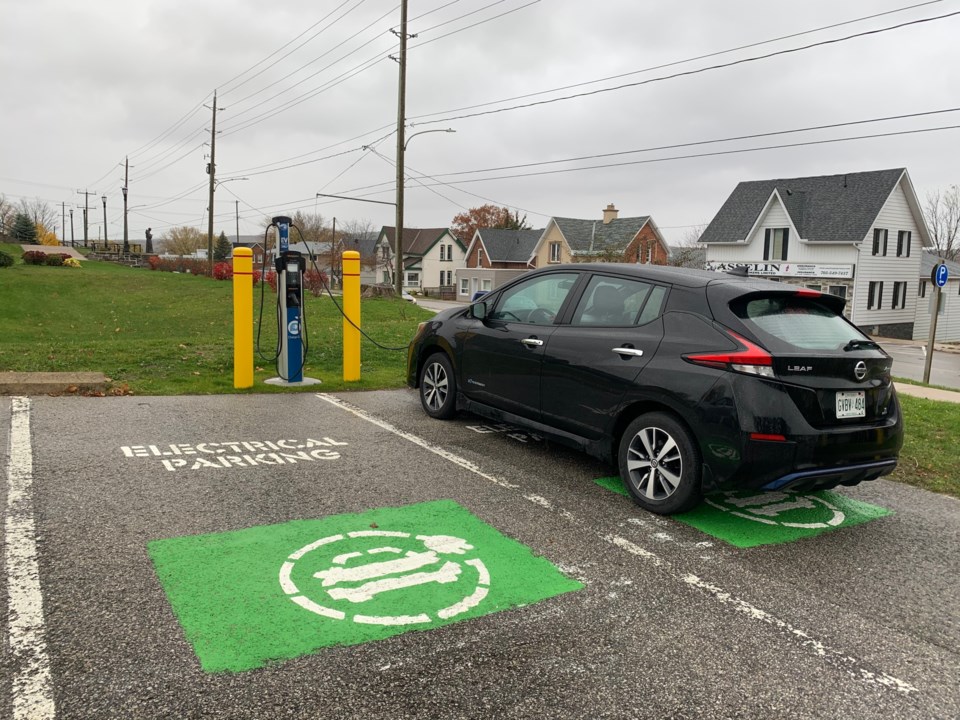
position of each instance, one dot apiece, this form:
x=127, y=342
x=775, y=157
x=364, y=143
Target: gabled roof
x=593, y=236
x=506, y=245
x=834, y=208
x=417, y=241
x=929, y=259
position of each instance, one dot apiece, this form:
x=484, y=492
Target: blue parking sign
x=940, y=275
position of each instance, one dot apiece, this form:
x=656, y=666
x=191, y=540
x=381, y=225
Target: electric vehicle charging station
x=291, y=326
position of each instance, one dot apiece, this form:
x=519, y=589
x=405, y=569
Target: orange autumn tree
x=466, y=223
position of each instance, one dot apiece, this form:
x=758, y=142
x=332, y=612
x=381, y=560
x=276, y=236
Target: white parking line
x=32, y=686
x=852, y=666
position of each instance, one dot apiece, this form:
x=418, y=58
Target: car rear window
x=789, y=322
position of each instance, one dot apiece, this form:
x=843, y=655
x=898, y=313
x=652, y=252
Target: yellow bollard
x=351, y=312
x=242, y=318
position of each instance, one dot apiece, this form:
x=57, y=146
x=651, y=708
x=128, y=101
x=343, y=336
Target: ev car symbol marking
x=293, y=328
x=369, y=577
x=765, y=507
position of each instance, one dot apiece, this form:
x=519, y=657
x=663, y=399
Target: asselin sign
x=785, y=269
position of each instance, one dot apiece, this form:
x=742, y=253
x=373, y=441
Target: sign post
x=938, y=277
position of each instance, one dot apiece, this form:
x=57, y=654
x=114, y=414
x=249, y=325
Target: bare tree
x=689, y=252
x=942, y=213
x=40, y=212
x=8, y=212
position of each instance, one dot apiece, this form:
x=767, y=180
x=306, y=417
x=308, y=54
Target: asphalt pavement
x=152, y=522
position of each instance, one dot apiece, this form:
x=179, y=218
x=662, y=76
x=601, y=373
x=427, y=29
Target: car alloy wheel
x=438, y=387
x=659, y=464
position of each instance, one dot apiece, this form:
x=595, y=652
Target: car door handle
x=632, y=352
x=532, y=342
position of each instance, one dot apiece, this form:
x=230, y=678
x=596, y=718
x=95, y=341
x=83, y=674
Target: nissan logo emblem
x=860, y=370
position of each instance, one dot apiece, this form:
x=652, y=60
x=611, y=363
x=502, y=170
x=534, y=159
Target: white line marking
x=845, y=662
x=32, y=685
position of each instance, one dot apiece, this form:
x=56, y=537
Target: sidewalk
x=938, y=347
x=927, y=392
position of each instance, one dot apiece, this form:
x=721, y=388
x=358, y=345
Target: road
x=188, y=552
x=909, y=359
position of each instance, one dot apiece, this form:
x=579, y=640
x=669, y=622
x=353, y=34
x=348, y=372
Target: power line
x=693, y=72
x=733, y=138
x=681, y=62
x=284, y=46
x=708, y=154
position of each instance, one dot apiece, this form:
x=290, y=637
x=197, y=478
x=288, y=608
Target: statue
x=149, y=235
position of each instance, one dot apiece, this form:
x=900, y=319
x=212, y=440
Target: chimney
x=609, y=213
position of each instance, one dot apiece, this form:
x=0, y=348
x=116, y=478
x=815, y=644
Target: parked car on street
x=690, y=381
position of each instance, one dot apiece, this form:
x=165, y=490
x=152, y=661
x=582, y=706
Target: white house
x=431, y=257
x=858, y=235
x=948, y=321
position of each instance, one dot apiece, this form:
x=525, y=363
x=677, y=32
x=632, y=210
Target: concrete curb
x=51, y=383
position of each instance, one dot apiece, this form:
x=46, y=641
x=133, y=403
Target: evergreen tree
x=24, y=230
x=223, y=248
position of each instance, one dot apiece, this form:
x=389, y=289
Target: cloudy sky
x=308, y=98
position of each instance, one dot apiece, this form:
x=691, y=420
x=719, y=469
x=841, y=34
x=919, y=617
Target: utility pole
x=236, y=205
x=212, y=170
x=63, y=222
x=72, y=242
x=333, y=250
x=86, y=209
x=126, y=181
x=401, y=141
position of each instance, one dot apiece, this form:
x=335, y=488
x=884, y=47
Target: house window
x=903, y=243
x=449, y=277
x=879, y=242
x=411, y=279
x=443, y=253
x=486, y=286
x=479, y=257
x=838, y=290
x=449, y=252
x=818, y=288
x=775, y=243
x=899, y=295
x=875, y=296
x=922, y=291
x=555, y=252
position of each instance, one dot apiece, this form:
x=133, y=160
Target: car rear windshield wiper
x=858, y=344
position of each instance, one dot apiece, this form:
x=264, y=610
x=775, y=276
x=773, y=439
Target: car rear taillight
x=808, y=293
x=750, y=358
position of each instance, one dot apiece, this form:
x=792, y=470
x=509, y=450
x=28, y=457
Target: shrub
x=55, y=259
x=34, y=257
x=222, y=271
x=5, y=260
x=71, y=262
x=272, y=279
x=154, y=262
x=314, y=281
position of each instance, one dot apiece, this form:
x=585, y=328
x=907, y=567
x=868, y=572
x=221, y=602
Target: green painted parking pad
x=750, y=518
x=249, y=597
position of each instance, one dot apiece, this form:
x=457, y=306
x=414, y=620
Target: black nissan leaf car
x=690, y=381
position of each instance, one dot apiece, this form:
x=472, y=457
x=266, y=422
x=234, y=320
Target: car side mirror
x=478, y=311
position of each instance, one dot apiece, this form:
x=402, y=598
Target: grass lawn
x=159, y=333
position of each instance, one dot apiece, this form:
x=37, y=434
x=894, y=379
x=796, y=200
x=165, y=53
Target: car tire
x=660, y=464
x=438, y=387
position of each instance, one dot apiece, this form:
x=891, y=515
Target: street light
x=401, y=150
x=104, y=198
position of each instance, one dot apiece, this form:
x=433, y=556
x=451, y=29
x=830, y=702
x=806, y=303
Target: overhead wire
x=696, y=71
x=683, y=61
x=227, y=91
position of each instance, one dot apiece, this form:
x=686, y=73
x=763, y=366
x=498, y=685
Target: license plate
x=851, y=404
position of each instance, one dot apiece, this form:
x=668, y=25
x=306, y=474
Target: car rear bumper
x=825, y=478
